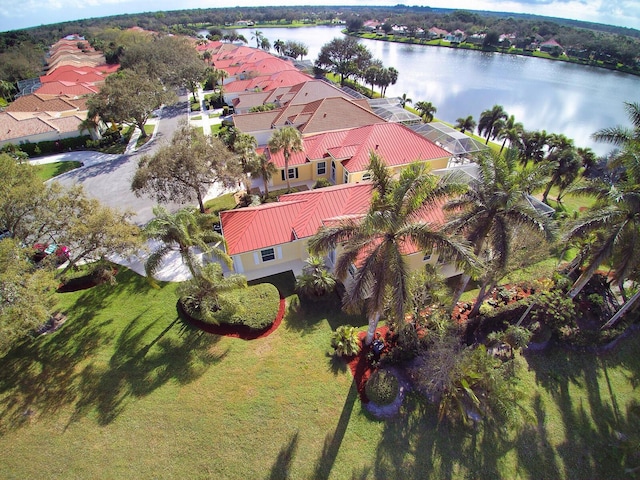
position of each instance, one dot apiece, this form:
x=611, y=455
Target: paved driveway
x=108, y=177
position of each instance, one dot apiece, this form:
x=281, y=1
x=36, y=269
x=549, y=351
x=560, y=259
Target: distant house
x=32, y=127
x=371, y=25
x=263, y=83
x=457, y=36
x=476, y=38
x=551, y=47
x=435, y=32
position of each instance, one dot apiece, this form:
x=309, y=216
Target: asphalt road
x=108, y=177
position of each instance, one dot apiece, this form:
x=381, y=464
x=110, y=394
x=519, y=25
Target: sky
x=16, y=14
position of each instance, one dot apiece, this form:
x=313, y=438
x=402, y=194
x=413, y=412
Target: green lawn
x=125, y=387
x=50, y=170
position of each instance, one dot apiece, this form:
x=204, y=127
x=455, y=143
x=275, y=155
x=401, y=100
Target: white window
x=333, y=170
x=426, y=258
x=322, y=168
x=291, y=173
x=268, y=254
x=345, y=177
x=366, y=176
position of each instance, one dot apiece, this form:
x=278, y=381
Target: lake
x=558, y=97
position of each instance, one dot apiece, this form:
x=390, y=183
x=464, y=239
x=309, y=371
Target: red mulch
x=241, y=332
x=360, y=366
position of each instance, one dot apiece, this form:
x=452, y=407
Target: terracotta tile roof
x=321, y=115
x=264, y=66
x=12, y=127
x=267, y=82
x=46, y=103
x=67, y=88
x=251, y=99
x=79, y=75
x=297, y=215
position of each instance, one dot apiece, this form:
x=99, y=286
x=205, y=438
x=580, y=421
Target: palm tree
x=278, y=45
x=200, y=295
x=532, y=146
x=182, y=231
x=620, y=135
x=404, y=100
x=265, y=168
x=206, y=56
x=257, y=36
x=464, y=124
x=491, y=122
x=612, y=224
x=245, y=145
x=288, y=140
x=376, y=242
x=493, y=210
x=564, y=164
x=427, y=110
x=315, y=280
x=511, y=131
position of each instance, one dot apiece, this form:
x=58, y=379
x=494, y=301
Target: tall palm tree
x=288, y=140
x=427, y=110
x=375, y=242
x=491, y=121
x=182, y=231
x=404, y=99
x=564, y=165
x=510, y=131
x=613, y=223
x=495, y=209
x=245, y=145
x=257, y=36
x=532, y=146
x=262, y=166
x=464, y=124
x=278, y=45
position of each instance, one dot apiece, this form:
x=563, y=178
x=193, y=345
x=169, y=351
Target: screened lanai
x=391, y=110
x=453, y=141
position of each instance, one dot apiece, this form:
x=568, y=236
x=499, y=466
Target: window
x=268, y=254
x=333, y=171
x=426, y=258
x=366, y=176
x=345, y=177
x=322, y=168
x=291, y=173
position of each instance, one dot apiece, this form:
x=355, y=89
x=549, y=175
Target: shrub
x=345, y=341
x=321, y=183
x=382, y=388
x=254, y=307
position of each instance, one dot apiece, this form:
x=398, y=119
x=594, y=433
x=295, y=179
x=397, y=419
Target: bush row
x=254, y=307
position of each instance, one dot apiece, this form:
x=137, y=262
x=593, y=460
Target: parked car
x=43, y=250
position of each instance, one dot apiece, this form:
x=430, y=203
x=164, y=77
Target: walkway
x=205, y=118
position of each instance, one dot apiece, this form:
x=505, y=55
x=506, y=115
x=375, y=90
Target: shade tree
x=186, y=168
x=345, y=57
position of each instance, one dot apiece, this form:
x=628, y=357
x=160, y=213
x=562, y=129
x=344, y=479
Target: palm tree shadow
x=332, y=441
x=282, y=466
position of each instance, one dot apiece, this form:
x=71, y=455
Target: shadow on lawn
x=602, y=438
x=282, y=466
x=44, y=375
x=332, y=441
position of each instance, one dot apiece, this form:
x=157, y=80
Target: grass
x=216, y=128
x=123, y=386
x=197, y=117
x=223, y=202
x=149, y=129
x=50, y=170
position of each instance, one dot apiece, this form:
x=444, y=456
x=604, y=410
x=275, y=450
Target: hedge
x=254, y=307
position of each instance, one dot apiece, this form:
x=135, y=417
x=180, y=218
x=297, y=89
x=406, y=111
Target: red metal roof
x=297, y=215
x=395, y=143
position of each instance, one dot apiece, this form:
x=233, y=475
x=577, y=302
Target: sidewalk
x=203, y=118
